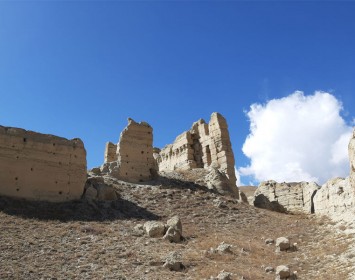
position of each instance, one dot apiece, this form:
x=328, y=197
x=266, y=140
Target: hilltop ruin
x=204, y=145
x=131, y=159
x=38, y=166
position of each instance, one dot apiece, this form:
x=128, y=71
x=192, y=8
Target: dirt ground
x=82, y=240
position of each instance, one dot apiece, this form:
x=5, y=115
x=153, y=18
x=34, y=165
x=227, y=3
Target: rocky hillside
x=121, y=231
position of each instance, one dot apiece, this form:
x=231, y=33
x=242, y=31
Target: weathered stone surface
x=352, y=161
x=44, y=167
x=336, y=199
x=175, y=223
x=96, y=189
x=173, y=235
x=172, y=262
x=154, y=229
x=282, y=244
x=224, y=275
x=224, y=248
x=110, y=152
x=204, y=146
x=133, y=159
x=286, y=197
x=283, y=272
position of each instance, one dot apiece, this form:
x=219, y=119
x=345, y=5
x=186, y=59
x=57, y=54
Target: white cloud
x=297, y=138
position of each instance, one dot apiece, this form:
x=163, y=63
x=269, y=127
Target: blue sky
x=80, y=68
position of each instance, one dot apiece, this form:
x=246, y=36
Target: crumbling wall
x=203, y=146
x=334, y=199
x=36, y=166
x=286, y=197
x=133, y=159
x=110, y=152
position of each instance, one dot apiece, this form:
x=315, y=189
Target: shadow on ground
x=79, y=210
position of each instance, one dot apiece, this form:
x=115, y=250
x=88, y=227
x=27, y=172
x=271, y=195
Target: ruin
x=132, y=158
x=204, y=145
x=37, y=166
x=335, y=198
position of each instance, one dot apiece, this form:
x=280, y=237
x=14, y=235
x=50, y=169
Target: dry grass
x=80, y=241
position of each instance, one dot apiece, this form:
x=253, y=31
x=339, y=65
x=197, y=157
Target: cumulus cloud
x=297, y=138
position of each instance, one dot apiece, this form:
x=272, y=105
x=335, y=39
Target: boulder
x=282, y=244
x=106, y=193
x=224, y=248
x=173, y=235
x=154, y=228
x=223, y=275
x=175, y=223
x=282, y=272
x=90, y=193
x=172, y=262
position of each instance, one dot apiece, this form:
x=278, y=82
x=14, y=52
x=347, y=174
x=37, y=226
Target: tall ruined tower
x=204, y=145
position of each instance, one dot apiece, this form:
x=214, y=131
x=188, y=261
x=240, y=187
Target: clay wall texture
x=37, y=166
x=134, y=153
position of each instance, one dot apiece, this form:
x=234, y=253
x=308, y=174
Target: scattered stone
x=138, y=230
x=224, y=248
x=223, y=275
x=172, y=235
x=269, y=269
x=282, y=244
x=282, y=272
x=172, y=262
x=154, y=228
x=269, y=241
x=175, y=223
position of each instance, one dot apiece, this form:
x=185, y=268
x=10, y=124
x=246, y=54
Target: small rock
x=282, y=272
x=269, y=241
x=154, y=229
x=282, y=244
x=172, y=235
x=138, y=230
x=223, y=275
x=224, y=248
x=269, y=269
x=175, y=223
x=173, y=263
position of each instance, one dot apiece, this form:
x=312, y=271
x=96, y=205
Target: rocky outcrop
x=203, y=146
x=132, y=158
x=44, y=167
x=286, y=197
x=336, y=200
